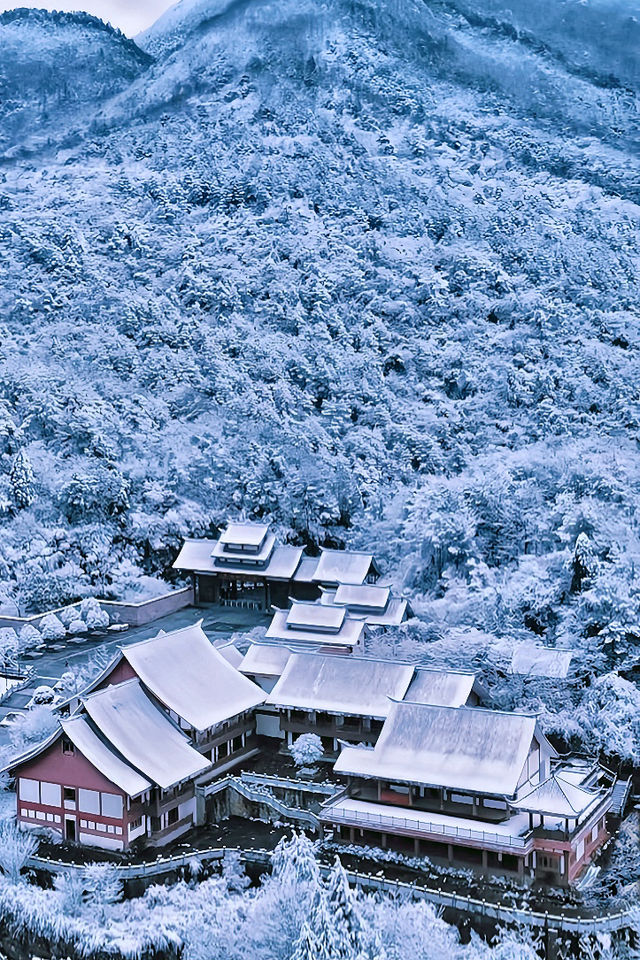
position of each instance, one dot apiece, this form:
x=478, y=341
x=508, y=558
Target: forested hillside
x=367, y=270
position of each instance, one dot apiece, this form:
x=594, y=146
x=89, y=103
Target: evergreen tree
x=294, y=860
x=349, y=941
x=22, y=481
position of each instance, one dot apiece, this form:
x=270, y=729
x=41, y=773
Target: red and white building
x=167, y=714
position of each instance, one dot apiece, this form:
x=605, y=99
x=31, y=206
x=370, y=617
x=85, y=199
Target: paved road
x=218, y=623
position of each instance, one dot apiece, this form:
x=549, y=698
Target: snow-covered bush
x=52, y=628
x=306, y=750
x=77, y=627
x=102, y=885
x=71, y=885
x=95, y=617
x=68, y=615
x=31, y=726
x=29, y=636
x=16, y=846
x=43, y=694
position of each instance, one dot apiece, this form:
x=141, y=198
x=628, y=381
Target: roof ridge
x=470, y=710
x=161, y=633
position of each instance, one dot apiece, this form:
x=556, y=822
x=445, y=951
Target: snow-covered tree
x=306, y=750
x=102, y=886
x=71, y=885
x=22, y=481
x=16, y=847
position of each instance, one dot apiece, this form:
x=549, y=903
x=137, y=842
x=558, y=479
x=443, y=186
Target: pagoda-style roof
x=445, y=688
x=559, y=797
x=196, y=557
x=245, y=534
x=99, y=752
x=315, y=616
x=368, y=597
x=314, y=630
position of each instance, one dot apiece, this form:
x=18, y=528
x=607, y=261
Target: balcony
x=512, y=835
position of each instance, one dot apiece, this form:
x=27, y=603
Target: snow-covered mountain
x=54, y=68
x=367, y=268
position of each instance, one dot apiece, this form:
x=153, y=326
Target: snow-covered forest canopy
x=367, y=270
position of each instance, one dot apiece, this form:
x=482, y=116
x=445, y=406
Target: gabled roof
x=343, y=566
x=265, y=659
x=367, y=596
x=244, y=533
x=534, y=660
x=143, y=734
x=349, y=635
x=195, y=557
x=315, y=616
x=230, y=652
x=557, y=796
x=440, y=687
x=188, y=675
x=481, y=751
x=355, y=686
x=102, y=755
x=306, y=571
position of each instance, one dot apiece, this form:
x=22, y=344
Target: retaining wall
x=135, y=614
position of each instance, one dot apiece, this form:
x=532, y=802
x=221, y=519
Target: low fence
x=369, y=883
x=288, y=783
x=135, y=614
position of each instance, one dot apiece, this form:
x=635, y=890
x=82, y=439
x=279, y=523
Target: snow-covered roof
x=143, y=734
x=559, y=797
x=356, y=686
x=231, y=653
x=244, y=534
x=538, y=661
x=191, y=677
x=103, y=756
x=265, y=659
x=391, y=613
x=349, y=635
x=440, y=687
x=366, y=596
x=481, y=751
x=342, y=566
x=224, y=554
x=306, y=570
x=315, y=616
x=195, y=556
x=368, y=813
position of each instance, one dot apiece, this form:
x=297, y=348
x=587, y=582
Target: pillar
x=485, y=862
x=416, y=847
x=450, y=856
x=383, y=841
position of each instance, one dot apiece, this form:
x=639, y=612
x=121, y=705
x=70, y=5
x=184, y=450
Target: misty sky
x=131, y=16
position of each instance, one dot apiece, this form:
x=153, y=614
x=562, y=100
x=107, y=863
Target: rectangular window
x=102, y=827
x=89, y=801
x=50, y=794
x=580, y=850
x=69, y=794
x=112, y=806
x=91, y=824
x=172, y=816
x=50, y=817
x=40, y=814
x=30, y=790
x=118, y=830
x=110, y=828
x=135, y=823
x=83, y=823
x=57, y=818
x=24, y=812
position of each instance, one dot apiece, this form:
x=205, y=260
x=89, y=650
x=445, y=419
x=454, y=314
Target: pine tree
x=308, y=947
x=294, y=860
x=349, y=940
x=22, y=481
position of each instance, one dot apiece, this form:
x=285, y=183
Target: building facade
x=472, y=788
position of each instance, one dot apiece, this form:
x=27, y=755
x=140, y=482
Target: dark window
x=69, y=793
x=172, y=816
x=223, y=750
x=155, y=824
x=237, y=743
x=67, y=746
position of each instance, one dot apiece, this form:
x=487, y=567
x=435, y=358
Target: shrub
x=52, y=628
x=76, y=627
x=16, y=846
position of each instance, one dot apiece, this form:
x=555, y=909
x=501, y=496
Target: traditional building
x=316, y=626
x=369, y=602
x=165, y=714
x=471, y=788
x=535, y=660
x=349, y=698
x=246, y=564
x=117, y=770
